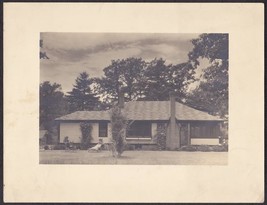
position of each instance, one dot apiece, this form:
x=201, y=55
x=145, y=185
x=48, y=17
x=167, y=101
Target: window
x=103, y=129
x=140, y=129
x=204, y=130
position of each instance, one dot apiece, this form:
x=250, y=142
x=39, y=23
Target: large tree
x=140, y=80
x=212, y=93
x=110, y=84
x=133, y=77
x=179, y=78
x=124, y=75
x=82, y=97
x=52, y=104
x=162, y=79
x=157, y=77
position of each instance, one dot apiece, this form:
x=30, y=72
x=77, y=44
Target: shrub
x=59, y=147
x=160, y=138
x=223, y=139
x=119, y=125
x=86, y=130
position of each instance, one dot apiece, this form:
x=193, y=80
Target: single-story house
x=184, y=125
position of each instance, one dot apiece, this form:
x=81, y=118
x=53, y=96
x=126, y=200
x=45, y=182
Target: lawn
x=134, y=157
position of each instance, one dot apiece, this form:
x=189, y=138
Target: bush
x=119, y=125
x=160, y=138
x=59, y=147
x=86, y=129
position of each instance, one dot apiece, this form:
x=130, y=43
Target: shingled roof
x=160, y=110
x=86, y=115
x=146, y=110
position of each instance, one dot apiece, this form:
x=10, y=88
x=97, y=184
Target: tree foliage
x=156, y=86
x=132, y=77
x=160, y=137
x=212, y=93
x=82, y=97
x=52, y=104
x=140, y=80
x=162, y=79
x=122, y=75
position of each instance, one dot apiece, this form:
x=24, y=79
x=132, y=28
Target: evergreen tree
x=81, y=97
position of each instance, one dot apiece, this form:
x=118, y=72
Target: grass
x=134, y=157
x=204, y=148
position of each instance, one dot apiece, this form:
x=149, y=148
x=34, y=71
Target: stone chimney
x=121, y=100
x=173, y=139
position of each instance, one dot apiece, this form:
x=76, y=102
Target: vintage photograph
x=133, y=98
x=133, y=103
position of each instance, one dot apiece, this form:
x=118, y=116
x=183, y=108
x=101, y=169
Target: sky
x=72, y=53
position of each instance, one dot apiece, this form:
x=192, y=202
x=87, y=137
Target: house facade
x=183, y=125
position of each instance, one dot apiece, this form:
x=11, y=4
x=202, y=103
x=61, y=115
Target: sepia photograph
x=133, y=103
x=133, y=98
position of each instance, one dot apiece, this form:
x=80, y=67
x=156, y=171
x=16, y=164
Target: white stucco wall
x=72, y=130
x=95, y=132
x=204, y=141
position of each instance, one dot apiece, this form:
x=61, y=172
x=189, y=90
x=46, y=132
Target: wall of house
x=72, y=130
x=204, y=141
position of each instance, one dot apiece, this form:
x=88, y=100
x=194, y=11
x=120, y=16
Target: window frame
x=100, y=132
x=146, y=134
x=203, y=130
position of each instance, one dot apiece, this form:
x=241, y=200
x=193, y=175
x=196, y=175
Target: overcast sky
x=72, y=53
